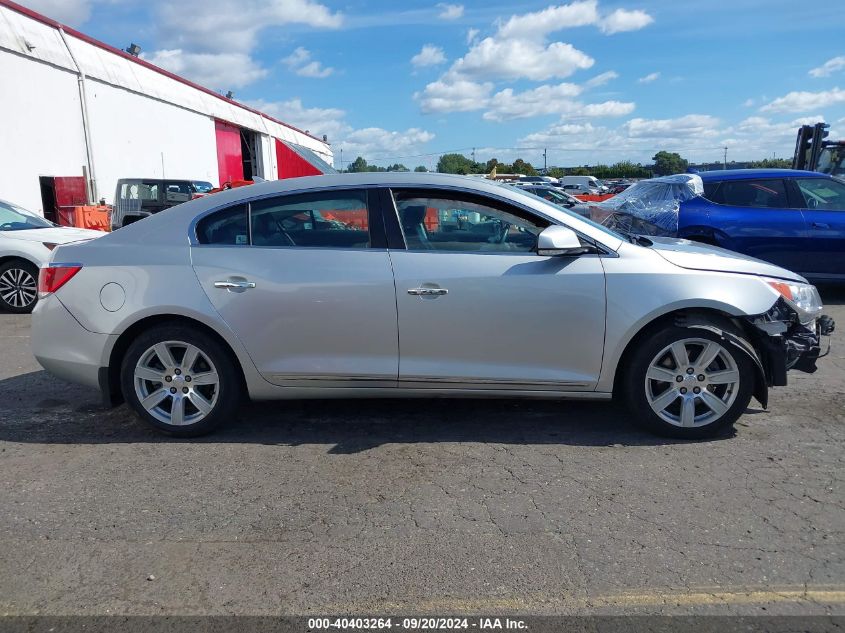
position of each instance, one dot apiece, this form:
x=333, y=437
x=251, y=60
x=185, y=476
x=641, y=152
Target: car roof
x=745, y=174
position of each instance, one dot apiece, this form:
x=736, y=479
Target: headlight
x=803, y=298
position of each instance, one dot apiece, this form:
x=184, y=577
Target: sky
x=589, y=81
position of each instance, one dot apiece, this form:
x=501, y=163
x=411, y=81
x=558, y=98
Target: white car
x=26, y=241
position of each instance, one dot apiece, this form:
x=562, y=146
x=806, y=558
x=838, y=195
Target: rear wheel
x=18, y=286
x=180, y=381
x=688, y=383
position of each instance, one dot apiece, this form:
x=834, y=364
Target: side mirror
x=559, y=240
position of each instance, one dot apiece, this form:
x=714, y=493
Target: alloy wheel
x=176, y=383
x=18, y=288
x=692, y=382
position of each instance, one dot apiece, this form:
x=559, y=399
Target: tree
x=770, y=163
x=420, y=168
x=667, y=163
x=397, y=167
x=358, y=165
x=521, y=167
x=455, y=164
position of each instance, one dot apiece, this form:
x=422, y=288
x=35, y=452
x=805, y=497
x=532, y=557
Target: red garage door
x=292, y=165
x=230, y=162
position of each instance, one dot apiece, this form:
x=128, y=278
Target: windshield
x=552, y=195
x=533, y=200
x=832, y=161
x=14, y=218
x=202, y=186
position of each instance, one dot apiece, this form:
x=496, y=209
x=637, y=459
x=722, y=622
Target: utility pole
x=726, y=157
x=473, y=154
x=545, y=164
x=341, y=160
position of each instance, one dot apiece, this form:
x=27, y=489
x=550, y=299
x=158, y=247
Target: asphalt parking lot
x=440, y=507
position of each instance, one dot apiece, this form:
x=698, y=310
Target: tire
x=725, y=385
x=18, y=286
x=199, y=377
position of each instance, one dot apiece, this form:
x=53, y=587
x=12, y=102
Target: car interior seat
x=412, y=225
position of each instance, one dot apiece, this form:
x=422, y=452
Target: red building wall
x=292, y=165
x=230, y=164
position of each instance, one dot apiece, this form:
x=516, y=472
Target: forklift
x=814, y=153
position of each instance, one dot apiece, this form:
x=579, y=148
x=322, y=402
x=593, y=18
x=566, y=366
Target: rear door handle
x=427, y=292
x=234, y=285
x=820, y=225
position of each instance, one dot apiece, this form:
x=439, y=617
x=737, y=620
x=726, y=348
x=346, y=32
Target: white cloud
x=600, y=80
x=623, y=20
x=70, y=12
x=225, y=26
x=453, y=94
x=373, y=141
x=450, y=11
x=800, y=101
x=368, y=142
x=550, y=99
x=520, y=49
x=606, y=109
x=429, y=55
x=748, y=103
x=649, y=78
x=301, y=63
x=494, y=58
x=829, y=67
x=541, y=23
x=689, y=126
x=218, y=71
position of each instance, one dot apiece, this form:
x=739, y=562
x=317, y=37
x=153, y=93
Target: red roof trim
x=111, y=49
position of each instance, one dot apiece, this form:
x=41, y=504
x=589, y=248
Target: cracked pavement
x=418, y=506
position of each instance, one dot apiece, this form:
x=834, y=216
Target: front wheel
x=18, y=286
x=688, y=383
x=180, y=381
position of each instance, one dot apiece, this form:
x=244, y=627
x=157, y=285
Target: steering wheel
x=812, y=203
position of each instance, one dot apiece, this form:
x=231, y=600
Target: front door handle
x=428, y=292
x=232, y=284
x=820, y=225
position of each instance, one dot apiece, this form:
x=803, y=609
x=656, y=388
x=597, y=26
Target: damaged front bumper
x=784, y=343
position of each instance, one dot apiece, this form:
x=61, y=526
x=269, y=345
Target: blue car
x=795, y=219
x=792, y=218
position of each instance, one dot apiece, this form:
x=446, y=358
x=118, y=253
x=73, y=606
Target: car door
x=755, y=216
x=824, y=252
x=479, y=309
x=305, y=282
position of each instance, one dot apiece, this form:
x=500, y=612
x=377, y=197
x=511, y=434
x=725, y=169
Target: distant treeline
x=665, y=163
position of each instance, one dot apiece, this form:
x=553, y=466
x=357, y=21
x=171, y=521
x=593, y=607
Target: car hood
x=697, y=256
x=54, y=235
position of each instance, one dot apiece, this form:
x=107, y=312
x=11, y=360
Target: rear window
x=229, y=227
x=766, y=194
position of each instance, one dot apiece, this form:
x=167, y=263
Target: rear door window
x=323, y=220
x=769, y=194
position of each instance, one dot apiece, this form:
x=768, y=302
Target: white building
x=78, y=114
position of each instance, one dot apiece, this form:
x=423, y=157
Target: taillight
x=53, y=277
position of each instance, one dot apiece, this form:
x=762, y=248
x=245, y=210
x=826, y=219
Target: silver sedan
x=415, y=285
